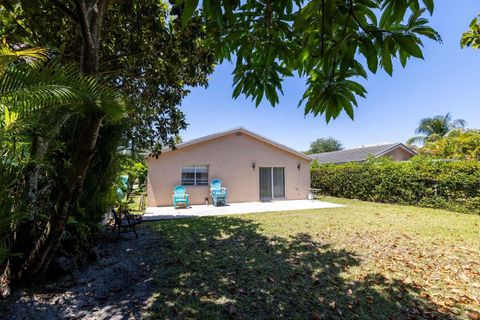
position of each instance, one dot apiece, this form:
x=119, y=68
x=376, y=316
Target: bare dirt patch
x=117, y=286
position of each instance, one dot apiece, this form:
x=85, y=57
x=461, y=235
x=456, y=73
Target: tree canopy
x=329, y=43
x=324, y=145
x=471, y=38
x=430, y=129
x=142, y=50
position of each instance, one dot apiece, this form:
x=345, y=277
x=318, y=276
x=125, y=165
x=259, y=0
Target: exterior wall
x=230, y=159
x=399, y=154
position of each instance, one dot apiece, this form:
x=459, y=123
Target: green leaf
x=403, y=57
x=430, y=5
x=408, y=43
x=259, y=95
x=237, y=90
x=386, y=15
x=348, y=109
x=189, y=8
x=371, y=55
x=271, y=94
x=387, y=60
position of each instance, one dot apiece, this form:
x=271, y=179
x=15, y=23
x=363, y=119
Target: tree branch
x=347, y=21
x=65, y=9
x=83, y=22
x=323, y=27
x=97, y=19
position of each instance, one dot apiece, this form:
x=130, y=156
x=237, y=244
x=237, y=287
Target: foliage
x=10, y=204
x=144, y=52
x=324, y=41
x=422, y=182
x=27, y=89
x=135, y=46
x=431, y=129
x=457, y=144
x=36, y=100
x=136, y=172
x=324, y=145
x=471, y=38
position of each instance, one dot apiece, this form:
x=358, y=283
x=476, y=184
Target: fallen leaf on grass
x=316, y=316
x=232, y=310
x=332, y=305
x=473, y=315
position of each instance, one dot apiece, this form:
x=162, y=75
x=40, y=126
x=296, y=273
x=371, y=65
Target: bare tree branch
x=65, y=9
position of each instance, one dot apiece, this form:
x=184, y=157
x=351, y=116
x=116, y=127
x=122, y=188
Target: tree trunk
x=90, y=17
x=47, y=245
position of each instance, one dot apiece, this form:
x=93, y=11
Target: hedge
x=421, y=182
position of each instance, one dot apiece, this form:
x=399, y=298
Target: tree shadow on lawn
x=215, y=268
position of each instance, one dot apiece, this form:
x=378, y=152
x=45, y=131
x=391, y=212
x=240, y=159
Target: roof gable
x=359, y=154
x=243, y=131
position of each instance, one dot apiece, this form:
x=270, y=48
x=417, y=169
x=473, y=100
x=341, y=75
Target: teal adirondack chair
x=122, y=188
x=180, y=195
x=218, y=193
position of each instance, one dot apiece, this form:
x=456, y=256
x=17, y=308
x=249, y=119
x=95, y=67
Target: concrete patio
x=161, y=213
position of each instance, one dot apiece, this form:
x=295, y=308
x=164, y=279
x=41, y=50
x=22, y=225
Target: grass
x=363, y=261
x=134, y=204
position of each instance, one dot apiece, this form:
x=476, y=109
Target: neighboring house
x=396, y=151
x=252, y=167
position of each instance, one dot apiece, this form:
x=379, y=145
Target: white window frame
x=195, y=184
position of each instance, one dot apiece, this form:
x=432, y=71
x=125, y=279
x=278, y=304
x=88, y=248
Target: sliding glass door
x=278, y=183
x=272, y=183
x=265, y=183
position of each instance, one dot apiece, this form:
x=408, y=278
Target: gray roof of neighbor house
x=359, y=154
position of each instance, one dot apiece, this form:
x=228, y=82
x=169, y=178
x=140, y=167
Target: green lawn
x=134, y=204
x=364, y=261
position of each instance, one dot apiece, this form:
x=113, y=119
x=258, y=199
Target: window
x=195, y=176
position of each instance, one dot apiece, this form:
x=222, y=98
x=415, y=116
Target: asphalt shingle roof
x=355, y=154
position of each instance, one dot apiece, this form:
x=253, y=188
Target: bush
x=421, y=181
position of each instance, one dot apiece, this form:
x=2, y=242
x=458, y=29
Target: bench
x=124, y=222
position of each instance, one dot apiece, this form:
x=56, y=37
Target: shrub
x=421, y=181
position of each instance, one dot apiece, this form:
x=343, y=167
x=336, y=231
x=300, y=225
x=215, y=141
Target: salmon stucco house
x=252, y=167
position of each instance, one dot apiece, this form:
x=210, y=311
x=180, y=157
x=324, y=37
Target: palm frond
x=34, y=53
x=414, y=140
x=440, y=125
x=459, y=123
x=25, y=90
x=424, y=126
x=30, y=56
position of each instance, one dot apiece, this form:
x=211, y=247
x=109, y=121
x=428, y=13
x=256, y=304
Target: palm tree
x=431, y=129
x=26, y=94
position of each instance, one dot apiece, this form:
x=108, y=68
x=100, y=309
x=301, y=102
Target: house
x=397, y=151
x=250, y=166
